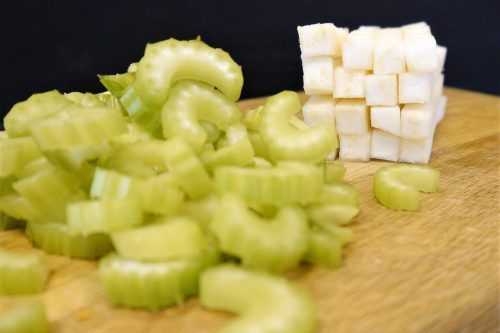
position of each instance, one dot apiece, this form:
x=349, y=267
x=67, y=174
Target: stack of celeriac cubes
x=380, y=87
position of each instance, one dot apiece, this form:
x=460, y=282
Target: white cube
x=421, y=54
x=342, y=34
x=318, y=75
x=351, y=117
x=417, y=121
x=437, y=86
x=357, y=50
x=384, y=146
x=416, y=151
x=418, y=27
x=441, y=58
x=369, y=28
x=386, y=118
x=440, y=110
x=388, y=56
x=319, y=40
x=381, y=89
x=415, y=87
x=348, y=83
x=355, y=147
x=318, y=110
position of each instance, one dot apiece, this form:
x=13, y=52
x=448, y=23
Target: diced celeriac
x=319, y=40
x=318, y=75
x=415, y=87
x=352, y=117
x=417, y=121
x=348, y=83
x=386, y=118
x=416, y=150
x=384, y=146
x=355, y=147
x=381, y=89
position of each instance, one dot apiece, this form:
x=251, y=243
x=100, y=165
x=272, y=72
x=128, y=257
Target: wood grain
x=435, y=270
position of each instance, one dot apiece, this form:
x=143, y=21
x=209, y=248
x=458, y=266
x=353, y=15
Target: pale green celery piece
x=103, y=216
x=325, y=249
x=397, y=186
x=116, y=84
x=202, y=210
x=213, y=133
x=3, y=135
x=259, y=146
x=135, y=133
x=271, y=245
x=19, y=208
x=22, y=273
x=334, y=172
x=148, y=117
x=32, y=167
x=56, y=238
x=298, y=123
x=187, y=169
x=222, y=142
x=15, y=153
x=251, y=119
x=236, y=132
x=288, y=143
x=336, y=214
x=191, y=101
x=7, y=222
x=160, y=195
x=23, y=317
x=239, y=154
x=153, y=285
x=339, y=193
x=260, y=162
x=263, y=302
x=39, y=106
x=167, y=239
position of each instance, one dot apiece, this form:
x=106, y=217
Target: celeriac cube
x=381, y=89
x=355, y=147
x=418, y=27
x=319, y=40
x=415, y=87
x=369, y=28
x=440, y=110
x=348, y=83
x=421, y=54
x=388, y=53
x=416, y=150
x=441, y=57
x=437, y=85
x=342, y=34
x=357, y=50
x=384, y=146
x=417, y=121
x=386, y=118
x=318, y=75
x=351, y=117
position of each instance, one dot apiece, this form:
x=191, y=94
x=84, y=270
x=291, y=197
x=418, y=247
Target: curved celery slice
x=152, y=285
x=324, y=249
x=56, y=238
x=251, y=119
x=259, y=146
x=397, y=186
x=39, y=106
x=135, y=133
x=112, y=184
x=27, y=317
x=260, y=162
x=187, y=168
x=201, y=210
x=159, y=196
x=7, y=222
x=19, y=208
x=264, y=303
x=191, y=101
x=288, y=143
x=281, y=185
x=148, y=117
x=339, y=193
x=106, y=215
x=22, y=273
x=274, y=245
x=116, y=84
x=334, y=172
x=176, y=238
x=337, y=214
x=213, y=133
x=239, y=154
x=15, y=153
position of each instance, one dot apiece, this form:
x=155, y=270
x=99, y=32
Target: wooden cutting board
x=435, y=270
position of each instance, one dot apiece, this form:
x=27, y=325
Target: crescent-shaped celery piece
x=117, y=83
x=334, y=172
x=325, y=249
x=336, y=214
x=22, y=273
x=152, y=285
x=201, y=210
x=271, y=245
x=56, y=238
x=167, y=239
x=397, y=186
x=259, y=146
x=213, y=132
x=15, y=153
x=191, y=101
x=39, y=106
x=20, y=208
x=25, y=317
x=264, y=303
x=286, y=142
x=251, y=119
x=339, y=193
x=239, y=154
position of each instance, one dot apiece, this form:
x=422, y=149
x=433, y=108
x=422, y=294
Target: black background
x=63, y=44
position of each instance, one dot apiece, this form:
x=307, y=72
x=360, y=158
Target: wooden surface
x=435, y=270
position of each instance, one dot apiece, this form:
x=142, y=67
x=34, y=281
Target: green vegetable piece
x=25, y=317
x=251, y=119
x=284, y=141
x=263, y=302
x=191, y=101
x=239, y=154
x=39, y=106
x=22, y=273
x=112, y=184
x=201, y=210
x=158, y=195
x=274, y=245
x=19, y=208
x=334, y=172
x=325, y=249
x=337, y=214
x=116, y=84
x=213, y=133
x=259, y=146
x=397, y=186
x=7, y=222
x=339, y=193
x=15, y=153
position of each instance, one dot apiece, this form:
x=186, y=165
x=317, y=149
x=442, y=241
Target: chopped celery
x=251, y=119
x=338, y=214
x=24, y=317
x=146, y=116
x=325, y=249
x=259, y=146
x=239, y=154
x=202, y=210
x=263, y=302
x=19, y=208
x=22, y=273
x=212, y=131
x=116, y=84
x=15, y=153
x=334, y=172
x=397, y=186
x=339, y=193
x=158, y=195
x=112, y=184
x=7, y=222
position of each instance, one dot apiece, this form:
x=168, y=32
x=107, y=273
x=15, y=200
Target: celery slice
x=259, y=146
x=26, y=317
x=159, y=196
x=288, y=143
x=264, y=303
x=274, y=245
x=22, y=273
x=239, y=154
x=334, y=172
x=191, y=101
x=146, y=116
x=397, y=186
x=15, y=153
x=167, y=239
x=339, y=193
x=116, y=84
x=202, y=210
x=56, y=238
x=251, y=119
x=325, y=249
x=152, y=285
x=106, y=215
x=19, y=208
x=39, y=106
x=112, y=184
x=7, y=222
x=212, y=131
x=337, y=214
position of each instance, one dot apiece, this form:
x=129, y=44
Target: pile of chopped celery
x=164, y=177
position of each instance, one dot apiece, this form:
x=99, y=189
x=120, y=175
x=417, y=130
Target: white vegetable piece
x=319, y=40
x=441, y=58
x=440, y=109
x=351, y=117
x=348, y=83
x=416, y=150
x=415, y=87
x=355, y=147
x=384, y=146
x=342, y=34
x=318, y=75
x=416, y=28
x=389, y=52
x=381, y=89
x=437, y=86
x=421, y=53
x=386, y=118
x=417, y=121
x=369, y=28
x=357, y=49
